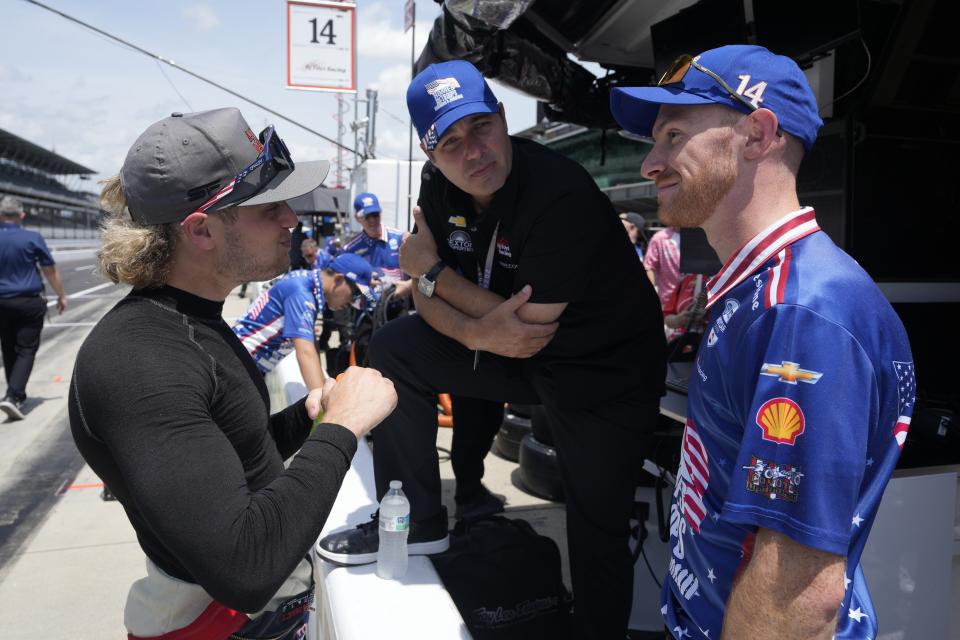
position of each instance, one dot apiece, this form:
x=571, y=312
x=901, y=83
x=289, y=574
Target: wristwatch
x=427, y=283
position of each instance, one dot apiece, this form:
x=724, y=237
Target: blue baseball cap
x=446, y=92
x=357, y=270
x=762, y=78
x=366, y=203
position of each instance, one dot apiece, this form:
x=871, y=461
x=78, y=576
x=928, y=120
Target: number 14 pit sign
x=321, y=37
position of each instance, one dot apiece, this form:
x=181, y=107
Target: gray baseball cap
x=10, y=206
x=180, y=162
x=633, y=218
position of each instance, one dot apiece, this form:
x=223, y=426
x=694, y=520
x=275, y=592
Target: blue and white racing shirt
x=382, y=253
x=285, y=311
x=799, y=406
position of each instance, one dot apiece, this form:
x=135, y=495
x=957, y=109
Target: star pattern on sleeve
x=856, y=614
x=857, y=520
x=906, y=385
x=711, y=576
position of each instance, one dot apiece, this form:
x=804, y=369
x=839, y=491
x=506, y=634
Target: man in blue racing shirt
x=378, y=244
x=804, y=385
x=282, y=318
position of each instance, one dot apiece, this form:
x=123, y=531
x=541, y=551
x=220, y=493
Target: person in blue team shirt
x=281, y=320
x=23, y=257
x=804, y=384
x=377, y=244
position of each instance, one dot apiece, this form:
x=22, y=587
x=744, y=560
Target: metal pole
x=356, y=135
x=413, y=39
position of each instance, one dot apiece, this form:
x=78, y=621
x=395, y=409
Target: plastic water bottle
x=394, y=528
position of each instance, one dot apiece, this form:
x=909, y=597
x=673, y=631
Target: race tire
x=540, y=425
x=539, y=471
x=511, y=433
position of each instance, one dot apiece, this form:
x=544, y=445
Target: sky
x=86, y=97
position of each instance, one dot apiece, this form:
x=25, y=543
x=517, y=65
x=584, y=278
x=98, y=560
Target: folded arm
x=506, y=329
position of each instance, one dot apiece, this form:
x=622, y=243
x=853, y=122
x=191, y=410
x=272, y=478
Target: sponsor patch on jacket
x=460, y=241
x=773, y=480
x=781, y=420
x=730, y=307
x=458, y=221
x=790, y=372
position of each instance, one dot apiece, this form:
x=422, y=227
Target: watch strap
x=435, y=271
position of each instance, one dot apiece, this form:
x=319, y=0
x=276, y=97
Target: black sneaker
x=12, y=408
x=359, y=545
x=479, y=506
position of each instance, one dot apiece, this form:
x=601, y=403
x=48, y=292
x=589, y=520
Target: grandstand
x=50, y=187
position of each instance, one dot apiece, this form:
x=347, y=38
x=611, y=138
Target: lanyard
x=484, y=278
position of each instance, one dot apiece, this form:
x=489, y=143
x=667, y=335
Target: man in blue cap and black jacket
x=525, y=283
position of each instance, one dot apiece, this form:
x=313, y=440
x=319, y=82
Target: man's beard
x=696, y=198
x=237, y=264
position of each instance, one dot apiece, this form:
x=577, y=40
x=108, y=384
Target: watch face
x=426, y=286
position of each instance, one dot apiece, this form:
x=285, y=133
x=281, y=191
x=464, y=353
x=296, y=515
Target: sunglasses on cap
x=679, y=68
x=273, y=161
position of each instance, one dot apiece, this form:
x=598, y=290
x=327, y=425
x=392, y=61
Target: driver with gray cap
x=168, y=408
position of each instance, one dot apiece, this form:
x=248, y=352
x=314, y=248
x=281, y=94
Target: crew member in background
x=22, y=305
x=297, y=236
x=633, y=224
x=804, y=387
x=333, y=246
x=170, y=411
x=662, y=262
x=526, y=281
x=378, y=244
x=282, y=319
x=683, y=317
x=313, y=256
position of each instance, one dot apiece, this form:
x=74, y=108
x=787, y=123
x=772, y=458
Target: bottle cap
x=395, y=484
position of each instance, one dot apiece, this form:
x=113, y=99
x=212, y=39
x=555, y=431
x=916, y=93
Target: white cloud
x=392, y=82
x=378, y=39
x=392, y=143
x=12, y=74
x=203, y=16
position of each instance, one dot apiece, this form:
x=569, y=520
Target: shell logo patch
x=781, y=420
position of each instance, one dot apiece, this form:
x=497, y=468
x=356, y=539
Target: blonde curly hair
x=131, y=253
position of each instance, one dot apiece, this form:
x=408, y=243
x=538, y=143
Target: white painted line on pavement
x=88, y=267
x=80, y=293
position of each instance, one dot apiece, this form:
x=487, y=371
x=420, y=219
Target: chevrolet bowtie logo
x=790, y=372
